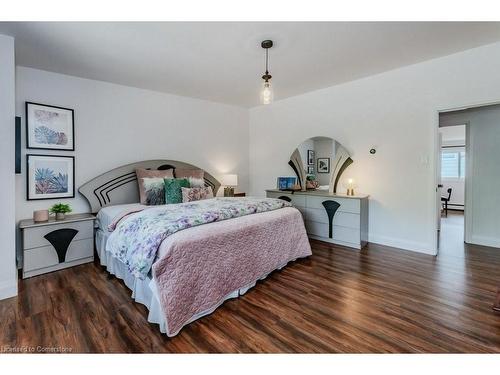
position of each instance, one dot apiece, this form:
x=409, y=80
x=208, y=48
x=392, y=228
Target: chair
x=445, y=201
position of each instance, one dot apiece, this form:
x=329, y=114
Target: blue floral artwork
x=50, y=176
x=48, y=182
x=45, y=122
x=49, y=127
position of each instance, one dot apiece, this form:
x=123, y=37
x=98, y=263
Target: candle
x=40, y=215
x=350, y=186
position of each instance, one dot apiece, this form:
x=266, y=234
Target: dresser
x=53, y=245
x=335, y=218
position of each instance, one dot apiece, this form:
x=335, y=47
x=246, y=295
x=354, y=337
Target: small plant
x=60, y=208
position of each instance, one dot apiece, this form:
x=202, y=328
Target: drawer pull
x=285, y=198
x=60, y=239
x=331, y=208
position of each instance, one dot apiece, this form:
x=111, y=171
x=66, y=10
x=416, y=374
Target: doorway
x=468, y=179
x=452, y=174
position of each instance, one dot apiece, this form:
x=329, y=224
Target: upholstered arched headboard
x=119, y=185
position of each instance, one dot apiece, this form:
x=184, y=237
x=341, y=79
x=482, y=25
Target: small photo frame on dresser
x=49, y=127
x=50, y=177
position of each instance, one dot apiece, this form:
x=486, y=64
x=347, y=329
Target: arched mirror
x=319, y=162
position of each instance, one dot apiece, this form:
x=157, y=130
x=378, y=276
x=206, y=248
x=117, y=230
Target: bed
x=196, y=269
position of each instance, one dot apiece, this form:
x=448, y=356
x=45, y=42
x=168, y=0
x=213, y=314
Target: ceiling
x=223, y=62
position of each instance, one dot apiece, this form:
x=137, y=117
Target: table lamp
x=229, y=181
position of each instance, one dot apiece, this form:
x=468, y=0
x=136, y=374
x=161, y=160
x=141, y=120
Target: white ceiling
x=223, y=62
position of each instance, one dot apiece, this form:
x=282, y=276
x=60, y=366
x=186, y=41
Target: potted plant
x=60, y=209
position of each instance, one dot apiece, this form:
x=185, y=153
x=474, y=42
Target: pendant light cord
x=267, y=60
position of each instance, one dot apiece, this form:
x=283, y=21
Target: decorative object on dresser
x=49, y=127
x=60, y=210
x=54, y=245
x=347, y=225
x=50, y=176
x=350, y=186
x=40, y=216
x=229, y=181
x=286, y=183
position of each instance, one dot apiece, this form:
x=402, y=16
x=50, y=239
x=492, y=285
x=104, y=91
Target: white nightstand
x=53, y=245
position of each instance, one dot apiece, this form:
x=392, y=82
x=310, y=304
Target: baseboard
x=485, y=241
x=8, y=289
x=418, y=247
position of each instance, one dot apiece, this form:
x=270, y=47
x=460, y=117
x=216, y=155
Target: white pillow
x=196, y=182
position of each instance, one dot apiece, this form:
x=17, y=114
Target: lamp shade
x=229, y=180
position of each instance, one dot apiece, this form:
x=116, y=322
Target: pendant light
x=266, y=94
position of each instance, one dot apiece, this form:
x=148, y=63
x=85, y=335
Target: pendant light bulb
x=266, y=94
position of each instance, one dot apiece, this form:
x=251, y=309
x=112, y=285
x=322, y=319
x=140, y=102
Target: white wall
x=397, y=112
x=116, y=125
x=8, y=272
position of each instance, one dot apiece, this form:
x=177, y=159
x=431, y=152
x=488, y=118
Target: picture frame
x=286, y=183
x=310, y=157
x=49, y=127
x=50, y=177
x=310, y=169
x=323, y=165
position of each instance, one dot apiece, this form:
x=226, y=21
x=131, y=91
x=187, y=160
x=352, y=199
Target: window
x=453, y=163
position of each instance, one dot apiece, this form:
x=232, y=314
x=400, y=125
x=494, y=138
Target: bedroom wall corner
x=8, y=272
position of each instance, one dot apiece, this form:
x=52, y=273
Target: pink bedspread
x=199, y=267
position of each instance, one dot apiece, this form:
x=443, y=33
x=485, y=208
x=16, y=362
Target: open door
x=438, y=188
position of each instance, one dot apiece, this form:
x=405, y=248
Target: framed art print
x=50, y=176
x=310, y=169
x=310, y=157
x=49, y=127
x=323, y=165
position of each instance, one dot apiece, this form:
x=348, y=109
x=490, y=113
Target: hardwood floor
x=339, y=300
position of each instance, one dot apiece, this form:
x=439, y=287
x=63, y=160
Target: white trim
x=418, y=247
x=8, y=289
x=485, y=241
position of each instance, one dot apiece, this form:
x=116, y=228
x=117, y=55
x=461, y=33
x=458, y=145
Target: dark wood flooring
x=339, y=300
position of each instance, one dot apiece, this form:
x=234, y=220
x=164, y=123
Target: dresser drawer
x=296, y=199
x=344, y=219
x=342, y=234
x=46, y=256
x=346, y=204
x=34, y=237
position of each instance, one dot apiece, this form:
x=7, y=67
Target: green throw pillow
x=173, y=189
